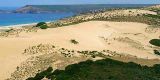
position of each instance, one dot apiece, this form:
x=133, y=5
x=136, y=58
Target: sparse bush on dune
x=74, y=41
x=155, y=42
x=42, y=25
x=9, y=30
x=157, y=52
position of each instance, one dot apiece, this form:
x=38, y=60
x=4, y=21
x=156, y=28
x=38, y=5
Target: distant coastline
x=38, y=13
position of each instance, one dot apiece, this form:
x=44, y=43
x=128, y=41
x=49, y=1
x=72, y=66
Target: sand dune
x=122, y=37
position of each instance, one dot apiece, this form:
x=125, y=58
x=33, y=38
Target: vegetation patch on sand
x=157, y=52
x=155, y=8
x=48, y=55
x=106, y=69
x=74, y=41
x=42, y=25
x=155, y=42
x=121, y=15
x=15, y=32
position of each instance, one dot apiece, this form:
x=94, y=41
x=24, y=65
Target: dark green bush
x=155, y=42
x=42, y=74
x=157, y=68
x=43, y=26
x=74, y=41
x=157, y=52
x=40, y=24
x=106, y=69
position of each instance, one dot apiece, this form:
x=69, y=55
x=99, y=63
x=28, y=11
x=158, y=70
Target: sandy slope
x=122, y=37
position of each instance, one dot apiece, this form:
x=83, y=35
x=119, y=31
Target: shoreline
x=19, y=25
x=4, y=28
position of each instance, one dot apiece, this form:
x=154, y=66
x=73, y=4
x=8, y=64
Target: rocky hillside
x=27, y=9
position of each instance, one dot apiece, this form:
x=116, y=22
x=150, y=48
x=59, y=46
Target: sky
x=17, y=3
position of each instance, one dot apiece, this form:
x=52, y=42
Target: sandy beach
x=122, y=37
x=19, y=25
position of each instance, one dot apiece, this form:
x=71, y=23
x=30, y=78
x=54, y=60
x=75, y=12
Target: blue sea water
x=7, y=19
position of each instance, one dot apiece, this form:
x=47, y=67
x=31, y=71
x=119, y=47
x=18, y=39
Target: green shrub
x=43, y=26
x=40, y=24
x=155, y=42
x=153, y=16
x=9, y=30
x=157, y=68
x=157, y=52
x=106, y=69
x=74, y=41
x=42, y=74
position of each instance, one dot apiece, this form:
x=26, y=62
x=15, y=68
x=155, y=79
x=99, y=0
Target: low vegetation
x=74, y=41
x=154, y=9
x=157, y=52
x=153, y=16
x=93, y=54
x=42, y=74
x=155, y=42
x=147, y=19
x=42, y=25
x=106, y=69
x=9, y=30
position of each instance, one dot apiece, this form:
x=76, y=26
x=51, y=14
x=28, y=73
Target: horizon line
x=81, y=4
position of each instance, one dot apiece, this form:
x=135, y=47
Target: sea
x=8, y=19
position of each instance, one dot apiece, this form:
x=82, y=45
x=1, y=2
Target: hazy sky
x=42, y=2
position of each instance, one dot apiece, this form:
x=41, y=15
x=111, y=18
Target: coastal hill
x=72, y=8
x=28, y=9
